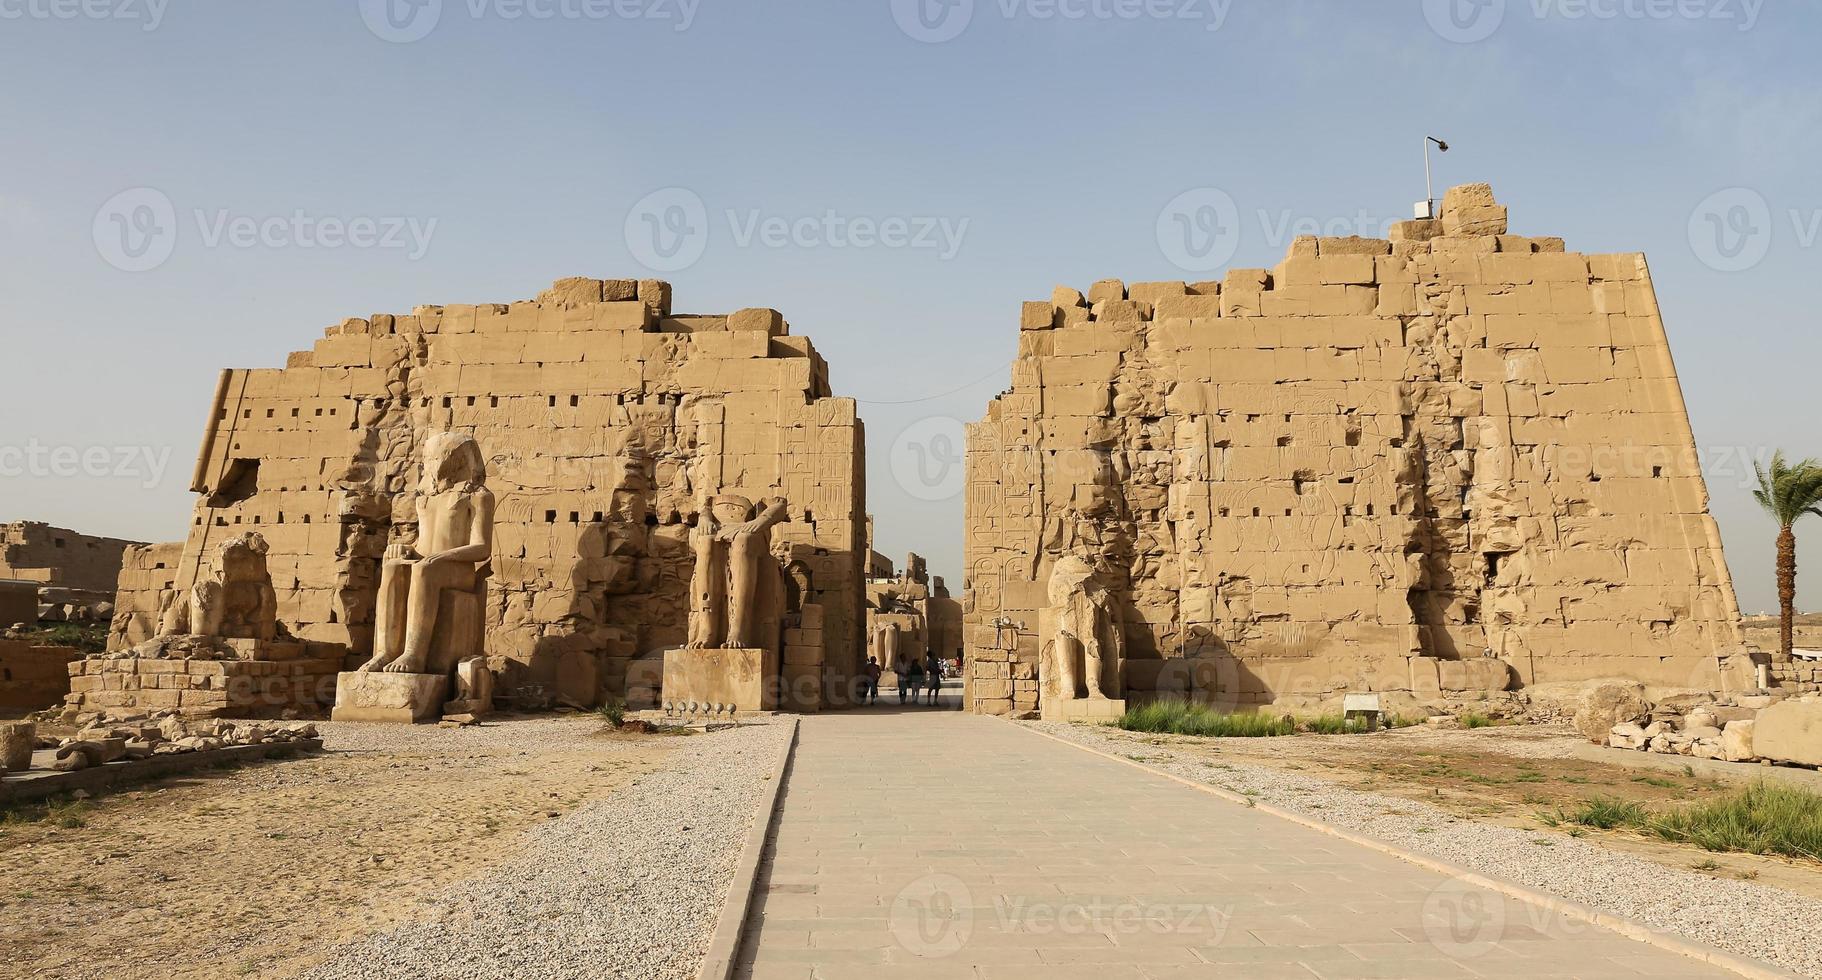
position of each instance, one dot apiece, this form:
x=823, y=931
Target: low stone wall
x=33, y=678
x=123, y=687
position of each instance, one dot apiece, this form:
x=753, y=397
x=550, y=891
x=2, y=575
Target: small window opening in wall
x=1287, y=512
x=58, y=542
x=597, y=517
x=306, y=518
x=319, y=413
x=294, y=413
x=240, y=482
x=808, y=518
x=247, y=414
x=281, y=517
x=575, y=400
x=270, y=413
x=1594, y=478
x=1222, y=512
x=550, y=517
x=470, y=401
x=1369, y=510
x=448, y=402
x=493, y=401
x=1657, y=472
x=332, y=619
x=553, y=401
x=1284, y=442
x=1255, y=512
x=575, y=517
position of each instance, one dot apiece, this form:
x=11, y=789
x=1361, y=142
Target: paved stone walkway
x=941, y=845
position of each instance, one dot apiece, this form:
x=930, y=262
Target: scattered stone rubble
x=169, y=735
x=1757, y=726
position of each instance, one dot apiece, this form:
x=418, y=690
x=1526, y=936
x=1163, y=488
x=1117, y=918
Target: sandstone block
x=381, y=697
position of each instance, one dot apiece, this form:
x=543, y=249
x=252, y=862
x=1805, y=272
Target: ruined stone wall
x=1371, y=468
x=33, y=678
x=147, y=574
x=60, y=559
x=605, y=421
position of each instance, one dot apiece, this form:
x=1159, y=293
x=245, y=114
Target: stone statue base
x=704, y=682
x=1094, y=711
x=398, y=698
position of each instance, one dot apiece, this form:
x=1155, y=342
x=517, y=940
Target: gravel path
x=1745, y=918
x=630, y=886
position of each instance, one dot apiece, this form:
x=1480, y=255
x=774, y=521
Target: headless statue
x=455, y=543
x=1088, y=646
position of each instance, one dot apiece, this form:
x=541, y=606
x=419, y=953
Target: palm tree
x=1787, y=493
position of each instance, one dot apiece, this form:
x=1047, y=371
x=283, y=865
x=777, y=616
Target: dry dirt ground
x=1513, y=776
x=257, y=872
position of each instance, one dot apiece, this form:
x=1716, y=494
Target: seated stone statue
x=451, y=562
x=232, y=597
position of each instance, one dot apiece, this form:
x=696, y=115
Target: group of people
x=923, y=676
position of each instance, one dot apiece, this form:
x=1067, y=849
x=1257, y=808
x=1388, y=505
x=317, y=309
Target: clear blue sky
x=1021, y=143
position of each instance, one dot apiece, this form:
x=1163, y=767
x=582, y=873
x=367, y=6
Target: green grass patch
x=1176, y=717
x=1601, y=813
x=1761, y=819
x=1474, y=719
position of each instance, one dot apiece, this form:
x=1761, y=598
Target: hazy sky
x=190, y=186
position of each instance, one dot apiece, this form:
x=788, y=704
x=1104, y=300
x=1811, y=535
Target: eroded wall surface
x=605, y=420
x=1369, y=468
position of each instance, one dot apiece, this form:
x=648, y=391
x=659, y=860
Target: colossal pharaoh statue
x=430, y=615
x=1085, y=657
x=453, y=552
x=735, y=574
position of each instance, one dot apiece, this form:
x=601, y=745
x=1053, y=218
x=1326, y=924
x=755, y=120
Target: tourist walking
x=869, y=689
x=933, y=677
x=910, y=682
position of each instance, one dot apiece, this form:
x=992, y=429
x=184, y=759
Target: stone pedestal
x=719, y=681
x=379, y=696
x=1094, y=711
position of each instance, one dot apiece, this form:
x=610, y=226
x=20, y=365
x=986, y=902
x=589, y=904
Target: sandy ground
x=257, y=872
x=1512, y=776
